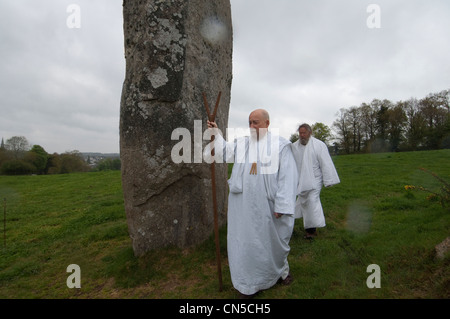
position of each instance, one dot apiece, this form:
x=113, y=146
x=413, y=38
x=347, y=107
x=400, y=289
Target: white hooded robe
x=258, y=243
x=315, y=168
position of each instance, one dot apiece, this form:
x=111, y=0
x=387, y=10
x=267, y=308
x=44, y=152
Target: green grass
x=54, y=221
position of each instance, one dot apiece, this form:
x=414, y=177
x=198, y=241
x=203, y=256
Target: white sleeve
x=329, y=173
x=287, y=183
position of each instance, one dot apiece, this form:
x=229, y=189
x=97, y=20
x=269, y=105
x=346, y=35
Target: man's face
x=304, y=135
x=256, y=121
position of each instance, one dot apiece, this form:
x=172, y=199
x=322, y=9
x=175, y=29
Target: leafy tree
x=72, y=162
x=17, y=167
x=321, y=132
x=396, y=123
x=108, y=164
x=435, y=108
x=382, y=117
x=294, y=137
x=69, y=162
x=38, y=157
x=18, y=145
x=354, y=121
x=53, y=164
x=4, y=156
x=341, y=125
x=415, y=125
x=368, y=122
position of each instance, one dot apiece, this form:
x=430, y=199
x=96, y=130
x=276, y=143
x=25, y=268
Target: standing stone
x=175, y=50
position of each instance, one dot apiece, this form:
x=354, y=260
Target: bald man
x=261, y=205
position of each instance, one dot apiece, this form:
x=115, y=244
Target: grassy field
x=54, y=221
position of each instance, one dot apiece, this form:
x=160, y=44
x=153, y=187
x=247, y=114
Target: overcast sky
x=301, y=60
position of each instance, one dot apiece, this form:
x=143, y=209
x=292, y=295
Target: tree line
x=18, y=158
x=382, y=126
x=385, y=126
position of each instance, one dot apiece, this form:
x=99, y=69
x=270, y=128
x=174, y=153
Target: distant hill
x=104, y=155
x=93, y=158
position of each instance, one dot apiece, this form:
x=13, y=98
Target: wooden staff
x=212, y=118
